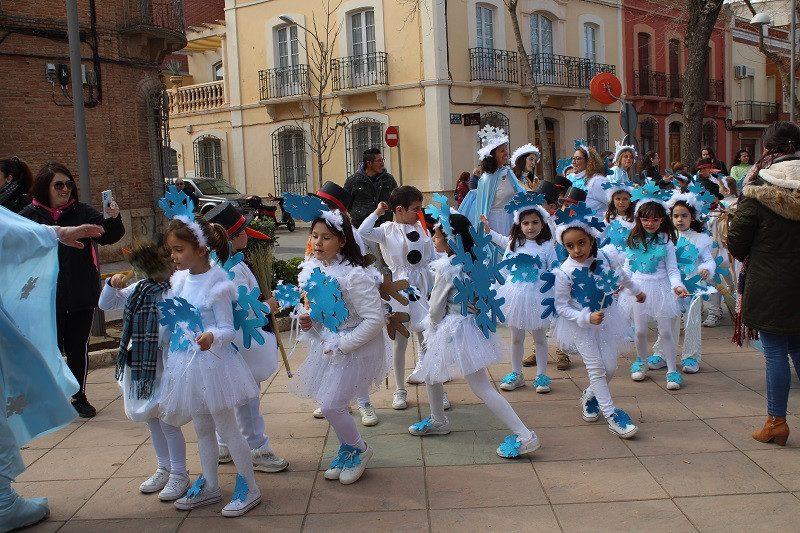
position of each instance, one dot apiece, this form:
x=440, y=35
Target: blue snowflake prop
x=524, y=200
x=510, y=447
x=548, y=282
x=196, y=487
x=325, y=300
x=182, y=319
x=649, y=192
x=305, y=208
x=641, y=260
x=687, y=254
x=440, y=213
x=720, y=271
x=612, y=184
x=617, y=235
x=705, y=197
x=594, y=290
x=251, y=325
x=232, y=261
x=286, y=294
x=579, y=212
x=580, y=143
x=422, y=424
x=562, y=165
x=522, y=268
x=175, y=203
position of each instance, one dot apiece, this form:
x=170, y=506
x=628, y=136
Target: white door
x=288, y=75
x=363, y=64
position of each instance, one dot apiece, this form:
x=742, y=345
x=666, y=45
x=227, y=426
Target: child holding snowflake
x=455, y=345
x=531, y=238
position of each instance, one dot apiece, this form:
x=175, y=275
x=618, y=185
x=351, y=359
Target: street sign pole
x=392, y=138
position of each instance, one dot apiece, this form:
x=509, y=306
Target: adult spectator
x=189, y=191
x=462, y=187
x=474, y=178
x=765, y=236
x=708, y=153
x=15, y=184
x=648, y=170
x=741, y=165
x=55, y=203
x=368, y=186
x=590, y=175
x=704, y=169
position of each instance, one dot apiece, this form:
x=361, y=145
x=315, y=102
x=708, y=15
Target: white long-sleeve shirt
x=704, y=244
x=668, y=267
x=546, y=250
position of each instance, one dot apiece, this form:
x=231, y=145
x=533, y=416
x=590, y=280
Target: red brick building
x=122, y=44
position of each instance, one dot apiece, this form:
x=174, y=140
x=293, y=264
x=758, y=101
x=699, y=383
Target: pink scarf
x=55, y=213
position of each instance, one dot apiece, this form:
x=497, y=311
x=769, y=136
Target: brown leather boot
x=531, y=359
x=775, y=429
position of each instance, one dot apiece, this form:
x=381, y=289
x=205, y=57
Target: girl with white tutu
x=651, y=258
x=205, y=379
x=140, y=363
x=619, y=219
x=530, y=236
x=455, y=346
x=590, y=319
x=348, y=363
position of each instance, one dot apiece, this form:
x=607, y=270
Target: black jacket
x=366, y=192
x=78, y=279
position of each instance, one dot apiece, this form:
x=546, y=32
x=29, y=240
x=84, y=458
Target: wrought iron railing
x=750, y=111
x=160, y=13
x=489, y=64
x=360, y=71
x=200, y=97
x=283, y=81
x=565, y=71
x=654, y=83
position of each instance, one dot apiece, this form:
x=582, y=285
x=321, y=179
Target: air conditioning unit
x=751, y=72
x=740, y=71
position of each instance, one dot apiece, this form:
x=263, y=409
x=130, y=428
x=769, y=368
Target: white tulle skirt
x=613, y=333
x=204, y=383
x=343, y=378
x=661, y=302
x=457, y=347
x=523, y=306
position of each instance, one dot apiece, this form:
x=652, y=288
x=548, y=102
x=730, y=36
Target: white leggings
x=601, y=363
x=483, y=389
x=223, y=422
x=517, y=347
x=691, y=331
x=251, y=424
x=668, y=348
x=169, y=444
x=344, y=425
x=399, y=345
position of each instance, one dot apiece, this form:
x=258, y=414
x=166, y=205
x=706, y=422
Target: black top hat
x=549, y=190
x=226, y=215
x=334, y=194
x=563, y=183
x=575, y=195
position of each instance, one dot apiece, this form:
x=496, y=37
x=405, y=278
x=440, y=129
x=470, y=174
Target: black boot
x=82, y=405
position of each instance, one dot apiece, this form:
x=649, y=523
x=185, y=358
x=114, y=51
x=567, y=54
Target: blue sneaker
x=654, y=362
x=620, y=424
x=590, y=408
x=638, y=370
x=512, y=380
x=542, y=383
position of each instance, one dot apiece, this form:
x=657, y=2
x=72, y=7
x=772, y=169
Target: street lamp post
x=763, y=20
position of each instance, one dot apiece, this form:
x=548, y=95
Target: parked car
x=210, y=192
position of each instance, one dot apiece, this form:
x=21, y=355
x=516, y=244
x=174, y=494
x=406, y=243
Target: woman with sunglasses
x=55, y=203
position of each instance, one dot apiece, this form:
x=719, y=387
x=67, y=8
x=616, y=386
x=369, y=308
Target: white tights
x=668, y=348
x=483, y=389
x=399, y=345
x=344, y=425
x=518, y=344
x=601, y=364
x=169, y=444
x=223, y=422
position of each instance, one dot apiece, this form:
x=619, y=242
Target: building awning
x=203, y=44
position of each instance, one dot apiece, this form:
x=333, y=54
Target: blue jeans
x=779, y=375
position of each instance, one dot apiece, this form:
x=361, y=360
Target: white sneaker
x=156, y=482
x=399, y=399
x=590, y=409
x=445, y=401
x=674, y=380
x=542, y=384
x=224, y=454
x=620, y=424
x=337, y=465
x=368, y=416
x=690, y=365
x=427, y=427
x=176, y=487
x=638, y=370
x=318, y=412
x=265, y=460
x=198, y=496
x=513, y=446
x=655, y=362
x=512, y=380
x=244, y=499
x=713, y=319
x=354, y=465
x=414, y=377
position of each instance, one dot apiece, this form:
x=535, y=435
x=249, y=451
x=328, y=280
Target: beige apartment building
x=243, y=113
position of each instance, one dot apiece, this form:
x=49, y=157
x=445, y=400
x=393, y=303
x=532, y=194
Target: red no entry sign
x=391, y=136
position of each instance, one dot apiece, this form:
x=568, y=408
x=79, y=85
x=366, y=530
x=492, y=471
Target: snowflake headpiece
x=613, y=187
x=649, y=192
x=577, y=215
x=440, y=213
x=309, y=208
x=525, y=149
x=491, y=137
x=580, y=144
x=177, y=205
x=563, y=164
x=525, y=201
x=690, y=198
x=619, y=148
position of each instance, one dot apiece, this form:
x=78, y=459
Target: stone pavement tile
x=103, y=391
x=45, y=442
x=78, y=463
x=678, y=437
x=63, y=497
x=738, y=431
x=459, y=487
x=391, y=422
x=30, y=456
x=590, y=441
x=464, y=448
x=750, y=512
x=285, y=402
x=783, y=464
x=473, y=417
x=519, y=518
x=390, y=451
x=45, y=526
x=654, y=407
x=380, y=489
x=702, y=382
x=651, y=515
x=302, y=454
x=143, y=462
x=246, y=523
x=623, y=385
x=733, y=360
x=457, y=393
x=100, y=375
x=756, y=379
x=151, y=525
x=559, y=413
x=561, y=388
x=281, y=493
x=120, y=498
x=597, y=481
x=724, y=404
x=370, y=522
x=705, y=474
x=108, y=410
x=109, y=433
x=289, y=425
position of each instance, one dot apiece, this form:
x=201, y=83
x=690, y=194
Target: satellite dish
x=605, y=88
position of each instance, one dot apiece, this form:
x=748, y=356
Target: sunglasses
x=578, y=158
x=651, y=220
x=59, y=185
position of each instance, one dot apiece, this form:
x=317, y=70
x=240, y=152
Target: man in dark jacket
x=368, y=186
x=704, y=169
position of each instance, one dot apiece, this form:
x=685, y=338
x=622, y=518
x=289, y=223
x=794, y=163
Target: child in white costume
x=141, y=395
x=530, y=235
x=208, y=379
x=598, y=336
x=456, y=346
x=407, y=250
x=350, y=362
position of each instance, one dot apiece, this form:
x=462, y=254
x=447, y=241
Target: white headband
x=334, y=219
x=560, y=229
x=195, y=228
x=539, y=208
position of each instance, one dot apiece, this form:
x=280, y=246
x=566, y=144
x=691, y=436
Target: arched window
x=597, y=132
x=496, y=119
x=710, y=135
x=218, y=71
x=648, y=135
x=207, y=157
x=361, y=135
x=289, y=160
x=591, y=33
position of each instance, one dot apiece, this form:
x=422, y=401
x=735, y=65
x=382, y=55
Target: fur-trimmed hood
x=778, y=189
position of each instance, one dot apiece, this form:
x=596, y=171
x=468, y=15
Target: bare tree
x=527, y=70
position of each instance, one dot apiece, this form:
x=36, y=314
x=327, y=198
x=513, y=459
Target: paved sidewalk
x=692, y=467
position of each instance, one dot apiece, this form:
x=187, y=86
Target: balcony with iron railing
x=151, y=29
x=196, y=98
x=565, y=71
x=489, y=64
x=661, y=84
x=282, y=82
x=752, y=112
x=166, y=14
x=360, y=71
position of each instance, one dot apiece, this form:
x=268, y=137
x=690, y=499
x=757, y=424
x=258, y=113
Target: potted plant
x=173, y=66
